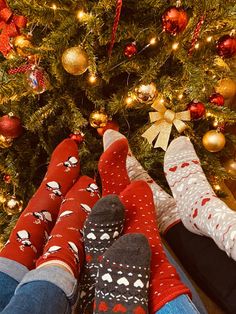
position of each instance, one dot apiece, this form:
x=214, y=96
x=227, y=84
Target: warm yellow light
x=175, y=46
x=197, y=46
x=215, y=123
x=208, y=114
x=92, y=79
x=80, y=14
x=54, y=7
x=129, y=100
x=153, y=41
x=162, y=101
x=180, y=96
x=209, y=39
x=217, y=187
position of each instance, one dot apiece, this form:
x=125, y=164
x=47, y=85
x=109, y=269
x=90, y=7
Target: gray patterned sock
x=201, y=211
x=165, y=205
x=102, y=227
x=123, y=277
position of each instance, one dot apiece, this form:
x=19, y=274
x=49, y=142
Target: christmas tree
x=155, y=69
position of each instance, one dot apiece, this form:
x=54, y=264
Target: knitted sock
x=28, y=237
x=65, y=242
x=165, y=284
x=112, y=168
x=200, y=209
x=123, y=277
x=102, y=228
x=165, y=205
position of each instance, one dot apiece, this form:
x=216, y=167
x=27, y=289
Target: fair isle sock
x=165, y=205
x=165, y=284
x=112, y=168
x=123, y=277
x=28, y=237
x=201, y=211
x=65, y=243
x=102, y=227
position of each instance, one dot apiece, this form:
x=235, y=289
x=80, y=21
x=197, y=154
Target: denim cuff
x=55, y=275
x=13, y=269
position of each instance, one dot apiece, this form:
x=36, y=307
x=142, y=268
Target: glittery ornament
x=12, y=206
x=36, y=80
x=197, y=109
x=214, y=141
x=226, y=46
x=130, y=50
x=217, y=99
x=145, y=94
x=98, y=119
x=174, y=20
x=10, y=126
x=75, y=60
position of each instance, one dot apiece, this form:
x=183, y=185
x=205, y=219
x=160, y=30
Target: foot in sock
x=65, y=244
x=112, y=168
x=123, y=277
x=140, y=215
x=28, y=237
x=200, y=209
x=165, y=205
x=102, y=227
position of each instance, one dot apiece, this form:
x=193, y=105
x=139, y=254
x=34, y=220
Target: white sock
x=165, y=205
x=201, y=211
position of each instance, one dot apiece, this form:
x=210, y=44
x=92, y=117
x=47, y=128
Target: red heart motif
x=195, y=213
x=196, y=162
x=102, y=307
x=185, y=164
x=139, y=310
x=119, y=308
x=205, y=200
x=88, y=258
x=173, y=169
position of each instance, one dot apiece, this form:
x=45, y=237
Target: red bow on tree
x=10, y=26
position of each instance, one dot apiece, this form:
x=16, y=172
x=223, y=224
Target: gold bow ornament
x=163, y=120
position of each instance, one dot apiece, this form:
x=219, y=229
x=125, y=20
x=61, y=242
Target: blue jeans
x=51, y=290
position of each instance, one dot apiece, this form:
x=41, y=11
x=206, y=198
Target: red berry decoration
x=226, y=46
x=10, y=126
x=130, y=50
x=217, y=99
x=7, y=178
x=110, y=125
x=197, y=109
x=174, y=20
x=77, y=137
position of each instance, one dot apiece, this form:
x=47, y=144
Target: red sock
x=65, y=242
x=112, y=168
x=165, y=284
x=35, y=223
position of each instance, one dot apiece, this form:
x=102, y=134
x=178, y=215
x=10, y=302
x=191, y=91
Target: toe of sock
x=130, y=249
x=110, y=136
x=107, y=210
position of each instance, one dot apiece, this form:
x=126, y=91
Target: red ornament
x=7, y=178
x=130, y=50
x=197, y=109
x=217, y=99
x=110, y=125
x=77, y=137
x=226, y=46
x=174, y=20
x=10, y=126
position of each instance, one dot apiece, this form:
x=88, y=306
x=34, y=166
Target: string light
x=175, y=46
x=215, y=123
x=80, y=14
x=217, y=187
x=54, y=7
x=180, y=96
x=197, y=46
x=92, y=79
x=162, y=101
x=209, y=39
x=129, y=100
x=153, y=41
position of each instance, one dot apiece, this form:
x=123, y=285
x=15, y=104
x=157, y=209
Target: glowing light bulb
x=209, y=39
x=129, y=100
x=92, y=78
x=175, y=46
x=162, y=101
x=197, y=46
x=153, y=41
x=54, y=7
x=208, y=114
x=217, y=187
x=80, y=14
x=215, y=123
x=180, y=96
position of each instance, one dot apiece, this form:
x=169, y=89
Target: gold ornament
x=5, y=142
x=12, y=206
x=20, y=43
x=227, y=88
x=98, y=119
x=163, y=120
x=214, y=141
x=75, y=60
x=146, y=94
x=230, y=167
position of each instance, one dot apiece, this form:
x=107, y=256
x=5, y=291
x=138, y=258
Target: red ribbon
x=10, y=26
x=115, y=26
x=196, y=35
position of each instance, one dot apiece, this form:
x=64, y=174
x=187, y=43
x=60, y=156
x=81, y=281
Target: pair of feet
x=194, y=202
x=117, y=268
